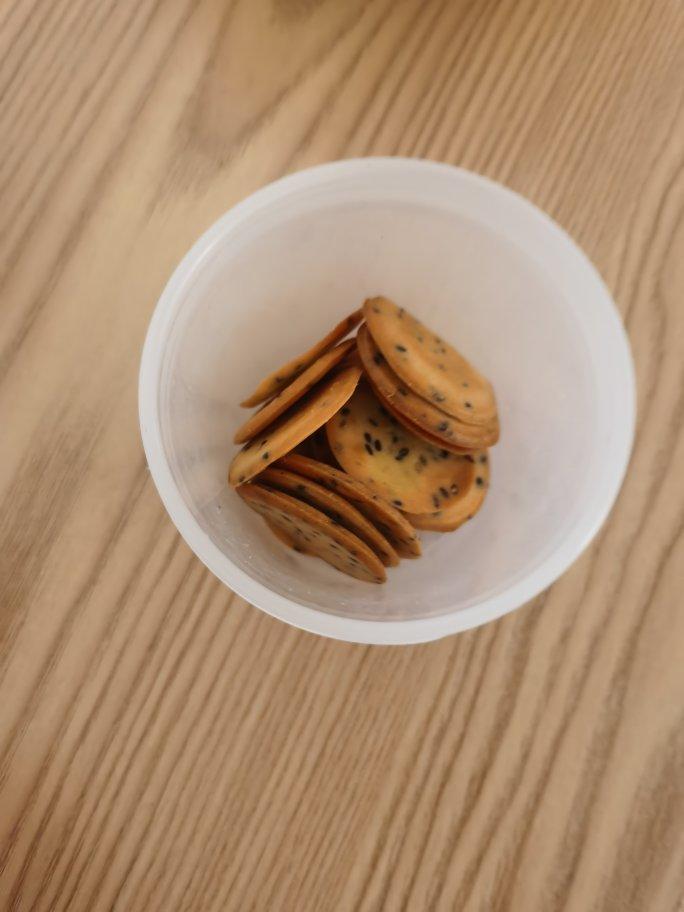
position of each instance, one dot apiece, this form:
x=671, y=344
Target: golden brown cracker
x=421, y=414
x=287, y=397
x=284, y=536
x=280, y=378
x=393, y=524
x=370, y=444
x=464, y=507
x=315, y=532
x=308, y=414
x=428, y=365
x=418, y=431
x=334, y=506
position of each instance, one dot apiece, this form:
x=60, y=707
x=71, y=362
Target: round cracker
x=301, y=385
x=429, y=365
x=334, y=506
x=418, y=431
x=280, y=378
x=393, y=524
x=306, y=416
x=421, y=414
x=285, y=537
x=464, y=507
x=315, y=532
x=374, y=447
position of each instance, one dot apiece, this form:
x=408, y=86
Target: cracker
x=308, y=414
x=374, y=447
x=418, y=431
x=334, y=506
x=428, y=365
x=422, y=414
x=285, y=537
x=393, y=524
x=315, y=532
x=464, y=507
x=280, y=378
x=301, y=385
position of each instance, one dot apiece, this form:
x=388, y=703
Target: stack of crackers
x=359, y=443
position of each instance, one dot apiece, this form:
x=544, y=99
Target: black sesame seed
x=402, y=391
x=373, y=422
x=241, y=479
x=344, y=410
x=435, y=500
x=367, y=437
x=443, y=425
x=383, y=410
x=483, y=459
x=468, y=405
x=369, y=449
x=377, y=358
x=398, y=503
x=438, y=397
x=402, y=454
x=465, y=384
x=423, y=458
x=400, y=348
x=401, y=312
x=377, y=444
x=479, y=481
x=266, y=455
x=444, y=454
x=444, y=492
x=395, y=439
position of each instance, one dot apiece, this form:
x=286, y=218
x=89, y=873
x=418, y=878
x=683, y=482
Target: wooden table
x=165, y=746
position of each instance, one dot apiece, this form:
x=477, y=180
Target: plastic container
x=486, y=269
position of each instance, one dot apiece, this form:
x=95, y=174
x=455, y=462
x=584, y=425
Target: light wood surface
x=165, y=746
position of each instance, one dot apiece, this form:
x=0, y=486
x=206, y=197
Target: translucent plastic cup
x=486, y=269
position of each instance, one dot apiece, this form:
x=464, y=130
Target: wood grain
x=162, y=744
